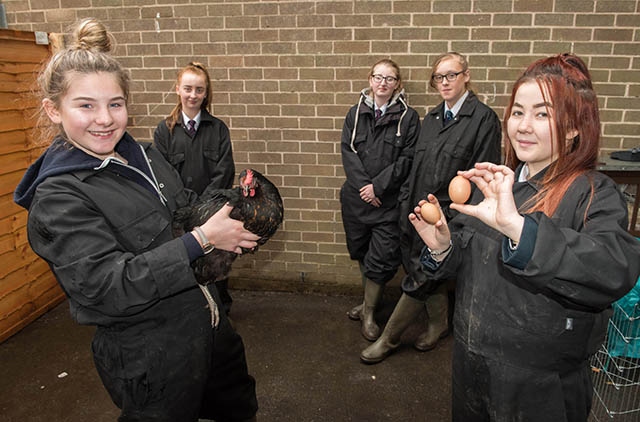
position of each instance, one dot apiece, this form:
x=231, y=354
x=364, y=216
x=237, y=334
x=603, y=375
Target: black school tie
x=448, y=116
x=378, y=113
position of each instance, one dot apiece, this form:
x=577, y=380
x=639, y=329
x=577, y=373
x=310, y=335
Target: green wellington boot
x=372, y=296
x=355, y=313
x=406, y=310
x=438, y=323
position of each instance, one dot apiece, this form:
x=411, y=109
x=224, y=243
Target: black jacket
x=473, y=136
x=105, y=230
x=206, y=161
x=548, y=307
x=378, y=152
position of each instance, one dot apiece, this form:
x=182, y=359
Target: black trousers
x=489, y=390
x=177, y=367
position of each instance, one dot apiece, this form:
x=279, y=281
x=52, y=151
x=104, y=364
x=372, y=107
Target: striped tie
x=191, y=128
x=448, y=116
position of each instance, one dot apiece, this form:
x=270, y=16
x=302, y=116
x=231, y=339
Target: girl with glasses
x=378, y=136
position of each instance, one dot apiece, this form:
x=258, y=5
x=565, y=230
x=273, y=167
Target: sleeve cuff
x=521, y=255
x=194, y=250
x=427, y=261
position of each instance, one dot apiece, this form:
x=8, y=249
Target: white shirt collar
x=186, y=119
x=524, y=173
x=458, y=105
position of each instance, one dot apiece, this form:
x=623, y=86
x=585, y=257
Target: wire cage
x=615, y=368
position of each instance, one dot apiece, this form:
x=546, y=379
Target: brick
x=625, y=49
x=537, y=34
x=533, y=6
x=439, y=6
x=224, y=9
x=554, y=19
x=493, y=34
x=353, y=21
x=571, y=34
x=621, y=129
x=472, y=20
x=58, y=15
x=260, y=35
x=593, y=20
x=296, y=35
x=492, y=6
x=429, y=20
x=616, y=6
x=315, y=47
x=613, y=34
x=241, y=22
x=260, y=9
x=449, y=34
x=511, y=47
x=575, y=6
x=30, y=17
x=631, y=20
x=334, y=7
x=314, y=21
x=582, y=48
x=391, y=20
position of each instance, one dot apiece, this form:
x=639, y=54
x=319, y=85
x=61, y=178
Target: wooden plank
x=26, y=67
x=12, y=34
x=13, y=141
x=13, y=162
x=12, y=120
x=9, y=181
x=24, y=102
x=35, y=270
x=29, y=311
x=8, y=207
x=17, y=51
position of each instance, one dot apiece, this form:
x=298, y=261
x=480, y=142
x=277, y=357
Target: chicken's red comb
x=249, y=177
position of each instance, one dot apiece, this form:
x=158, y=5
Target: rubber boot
x=405, y=312
x=438, y=322
x=355, y=313
x=372, y=296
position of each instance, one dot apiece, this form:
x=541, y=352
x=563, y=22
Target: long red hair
x=198, y=69
x=566, y=81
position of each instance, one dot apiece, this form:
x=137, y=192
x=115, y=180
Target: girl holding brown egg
x=539, y=254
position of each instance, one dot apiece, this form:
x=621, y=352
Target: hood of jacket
x=396, y=104
x=61, y=158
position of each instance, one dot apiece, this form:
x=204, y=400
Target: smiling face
x=192, y=90
x=383, y=90
x=452, y=91
x=530, y=127
x=93, y=119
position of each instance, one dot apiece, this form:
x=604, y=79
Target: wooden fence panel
x=27, y=286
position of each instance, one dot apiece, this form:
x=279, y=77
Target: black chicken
x=256, y=202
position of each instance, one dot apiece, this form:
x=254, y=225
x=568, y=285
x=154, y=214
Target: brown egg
x=430, y=213
x=459, y=189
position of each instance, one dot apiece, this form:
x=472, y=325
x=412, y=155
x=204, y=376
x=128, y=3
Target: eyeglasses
x=379, y=78
x=451, y=76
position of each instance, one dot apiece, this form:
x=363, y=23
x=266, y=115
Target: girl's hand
x=435, y=236
x=498, y=208
x=368, y=195
x=226, y=233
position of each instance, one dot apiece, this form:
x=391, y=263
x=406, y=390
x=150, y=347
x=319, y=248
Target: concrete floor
x=301, y=348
